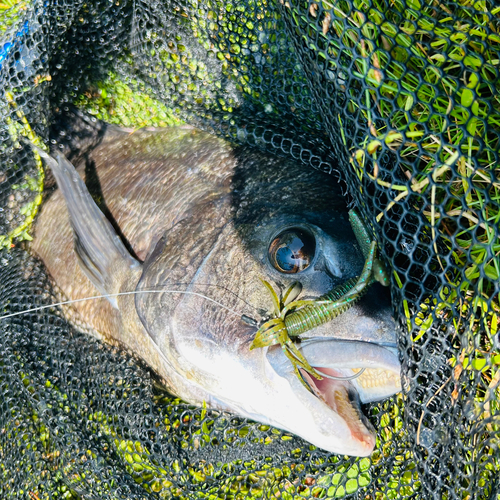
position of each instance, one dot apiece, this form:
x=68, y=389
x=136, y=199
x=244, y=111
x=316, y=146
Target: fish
x=180, y=233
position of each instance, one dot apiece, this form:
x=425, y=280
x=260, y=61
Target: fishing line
x=245, y=318
x=120, y=294
x=178, y=283
x=331, y=377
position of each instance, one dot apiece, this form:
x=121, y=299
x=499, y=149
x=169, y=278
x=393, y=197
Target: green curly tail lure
x=295, y=317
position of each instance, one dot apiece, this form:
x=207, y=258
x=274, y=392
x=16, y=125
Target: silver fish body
x=194, y=220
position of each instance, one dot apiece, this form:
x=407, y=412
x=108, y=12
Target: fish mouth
x=379, y=366
x=341, y=360
x=343, y=400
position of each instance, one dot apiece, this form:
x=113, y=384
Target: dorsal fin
x=102, y=255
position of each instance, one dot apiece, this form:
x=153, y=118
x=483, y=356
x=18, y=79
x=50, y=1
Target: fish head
x=210, y=270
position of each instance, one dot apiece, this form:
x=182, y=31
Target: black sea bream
x=197, y=215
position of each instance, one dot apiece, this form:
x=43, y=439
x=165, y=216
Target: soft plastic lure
x=295, y=317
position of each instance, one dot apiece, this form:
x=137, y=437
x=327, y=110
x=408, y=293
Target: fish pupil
x=292, y=251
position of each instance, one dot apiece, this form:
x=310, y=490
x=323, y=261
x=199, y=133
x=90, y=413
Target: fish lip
x=345, y=356
x=342, y=355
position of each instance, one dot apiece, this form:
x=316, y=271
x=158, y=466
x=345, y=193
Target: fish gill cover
x=399, y=98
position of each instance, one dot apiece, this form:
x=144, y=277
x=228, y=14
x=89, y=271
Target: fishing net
x=399, y=98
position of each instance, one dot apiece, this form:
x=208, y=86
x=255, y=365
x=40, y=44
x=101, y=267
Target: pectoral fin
x=101, y=253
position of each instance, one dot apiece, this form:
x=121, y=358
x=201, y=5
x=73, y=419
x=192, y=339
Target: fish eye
x=292, y=251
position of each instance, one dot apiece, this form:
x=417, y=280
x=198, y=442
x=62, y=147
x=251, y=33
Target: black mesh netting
x=402, y=98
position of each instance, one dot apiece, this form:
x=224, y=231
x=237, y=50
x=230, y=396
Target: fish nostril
x=332, y=269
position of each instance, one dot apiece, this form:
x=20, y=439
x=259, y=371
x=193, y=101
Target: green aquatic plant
x=20, y=127
x=10, y=13
x=127, y=105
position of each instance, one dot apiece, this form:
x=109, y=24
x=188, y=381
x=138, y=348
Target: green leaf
x=472, y=62
x=351, y=486
x=494, y=324
x=473, y=79
x=467, y=98
x=471, y=126
x=409, y=103
x=491, y=272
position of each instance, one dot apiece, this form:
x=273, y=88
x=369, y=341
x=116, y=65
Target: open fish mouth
x=379, y=366
x=369, y=381
x=340, y=398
